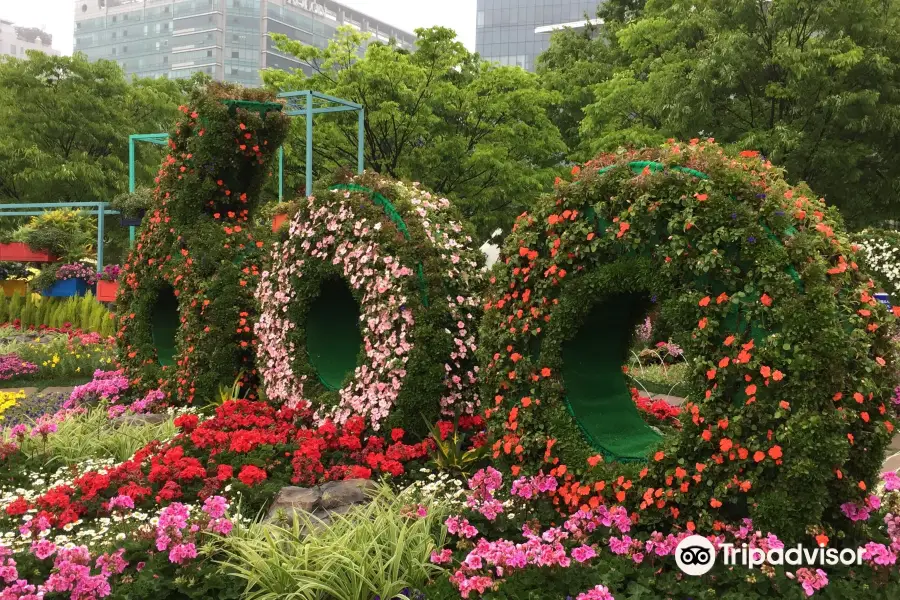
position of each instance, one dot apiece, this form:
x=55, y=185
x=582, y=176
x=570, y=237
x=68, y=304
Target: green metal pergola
x=306, y=103
x=92, y=208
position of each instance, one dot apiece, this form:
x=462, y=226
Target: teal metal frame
x=159, y=139
x=92, y=208
x=303, y=104
x=306, y=103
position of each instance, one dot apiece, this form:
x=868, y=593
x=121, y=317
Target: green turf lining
x=164, y=324
x=597, y=391
x=333, y=339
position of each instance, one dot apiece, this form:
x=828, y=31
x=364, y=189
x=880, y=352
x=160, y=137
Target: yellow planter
x=12, y=286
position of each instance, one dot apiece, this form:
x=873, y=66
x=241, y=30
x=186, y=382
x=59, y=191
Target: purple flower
x=109, y=273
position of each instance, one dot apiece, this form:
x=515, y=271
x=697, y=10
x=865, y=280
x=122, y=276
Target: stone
x=345, y=493
x=291, y=499
x=140, y=419
x=320, y=503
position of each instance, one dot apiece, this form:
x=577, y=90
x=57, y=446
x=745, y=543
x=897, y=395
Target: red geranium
x=251, y=475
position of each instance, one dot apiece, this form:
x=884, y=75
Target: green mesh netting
x=164, y=325
x=333, y=339
x=597, y=391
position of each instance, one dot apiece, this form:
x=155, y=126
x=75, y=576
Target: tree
x=812, y=85
x=472, y=131
x=65, y=122
x=579, y=59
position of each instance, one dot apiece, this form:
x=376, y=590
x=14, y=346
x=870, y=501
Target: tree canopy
x=65, y=122
x=812, y=85
x=476, y=132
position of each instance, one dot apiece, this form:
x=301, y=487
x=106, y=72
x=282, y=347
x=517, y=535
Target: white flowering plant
x=881, y=248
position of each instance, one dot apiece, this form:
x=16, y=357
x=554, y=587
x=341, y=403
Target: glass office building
x=505, y=29
x=227, y=39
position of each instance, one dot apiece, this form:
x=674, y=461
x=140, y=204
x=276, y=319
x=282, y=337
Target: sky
x=57, y=17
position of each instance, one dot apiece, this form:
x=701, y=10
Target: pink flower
x=121, y=502
x=811, y=581
x=879, y=554
x=583, y=553
x=855, y=512
x=43, y=549
x=182, y=552
x=891, y=481
x=620, y=546
x=442, y=557
x=598, y=592
x=215, y=506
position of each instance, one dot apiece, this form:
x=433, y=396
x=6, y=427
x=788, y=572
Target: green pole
x=281, y=174
x=308, y=143
x=131, y=183
x=360, y=158
x=101, y=210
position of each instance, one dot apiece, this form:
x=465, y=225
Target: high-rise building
x=227, y=39
x=15, y=41
x=515, y=32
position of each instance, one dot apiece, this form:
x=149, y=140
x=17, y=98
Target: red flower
x=397, y=434
x=251, y=475
x=224, y=472
x=187, y=423
x=19, y=506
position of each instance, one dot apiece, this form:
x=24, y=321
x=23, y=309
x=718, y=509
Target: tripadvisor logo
x=695, y=555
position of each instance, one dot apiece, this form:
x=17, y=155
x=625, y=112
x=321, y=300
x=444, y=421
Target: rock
x=345, y=493
x=321, y=503
x=291, y=497
x=140, y=419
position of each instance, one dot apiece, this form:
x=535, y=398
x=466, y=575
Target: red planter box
x=278, y=221
x=106, y=290
x=19, y=252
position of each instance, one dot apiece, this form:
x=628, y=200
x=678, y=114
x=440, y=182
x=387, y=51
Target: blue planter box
x=67, y=287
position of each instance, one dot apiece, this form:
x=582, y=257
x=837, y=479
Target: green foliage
x=93, y=436
x=131, y=204
x=69, y=234
x=378, y=549
x=452, y=455
x=65, y=123
x=84, y=312
x=812, y=86
x=199, y=253
x=475, y=132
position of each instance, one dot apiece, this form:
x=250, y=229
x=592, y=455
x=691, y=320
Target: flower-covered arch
x=185, y=306
x=370, y=306
x=790, y=355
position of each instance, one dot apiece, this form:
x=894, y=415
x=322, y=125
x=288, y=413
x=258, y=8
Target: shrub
x=380, y=549
x=881, y=248
x=70, y=234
